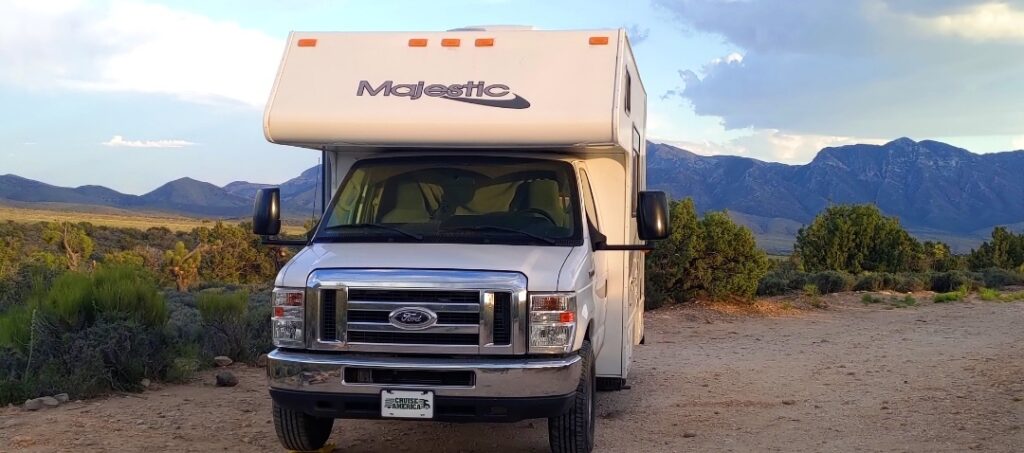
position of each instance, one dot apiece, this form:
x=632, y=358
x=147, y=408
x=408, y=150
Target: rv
x=480, y=256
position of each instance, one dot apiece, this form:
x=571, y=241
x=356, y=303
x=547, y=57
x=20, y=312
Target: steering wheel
x=540, y=213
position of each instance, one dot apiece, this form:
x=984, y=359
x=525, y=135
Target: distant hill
x=938, y=191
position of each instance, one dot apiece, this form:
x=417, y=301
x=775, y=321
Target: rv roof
x=476, y=87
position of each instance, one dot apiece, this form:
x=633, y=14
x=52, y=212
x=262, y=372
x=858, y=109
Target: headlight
x=288, y=320
x=552, y=322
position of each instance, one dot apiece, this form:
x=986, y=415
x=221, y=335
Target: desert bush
x=828, y=282
x=952, y=296
x=258, y=324
x=673, y=261
x=857, y=238
x=869, y=282
x=784, y=277
x=908, y=283
x=871, y=299
x=712, y=257
x=995, y=277
x=772, y=285
x=988, y=294
x=30, y=277
x=944, y=282
x=224, y=316
x=731, y=264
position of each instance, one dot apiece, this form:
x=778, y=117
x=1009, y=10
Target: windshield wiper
x=499, y=228
x=374, y=225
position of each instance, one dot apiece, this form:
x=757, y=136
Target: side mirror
x=266, y=212
x=652, y=217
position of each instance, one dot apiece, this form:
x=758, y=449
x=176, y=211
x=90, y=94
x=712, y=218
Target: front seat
x=409, y=205
x=541, y=194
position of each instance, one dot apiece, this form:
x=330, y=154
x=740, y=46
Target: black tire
x=573, y=431
x=299, y=431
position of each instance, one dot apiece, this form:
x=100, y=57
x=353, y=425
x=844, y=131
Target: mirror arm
x=267, y=240
x=624, y=247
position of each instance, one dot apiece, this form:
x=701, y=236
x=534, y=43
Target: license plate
x=407, y=403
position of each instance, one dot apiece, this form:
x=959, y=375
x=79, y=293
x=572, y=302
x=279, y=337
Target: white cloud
x=119, y=141
x=860, y=68
x=135, y=47
x=986, y=22
x=1018, y=143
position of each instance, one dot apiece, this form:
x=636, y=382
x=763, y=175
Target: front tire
x=299, y=431
x=573, y=431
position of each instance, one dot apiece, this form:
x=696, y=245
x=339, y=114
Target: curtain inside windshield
x=499, y=200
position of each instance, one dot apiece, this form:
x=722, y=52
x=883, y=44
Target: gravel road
x=931, y=378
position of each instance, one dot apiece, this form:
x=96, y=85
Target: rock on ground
x=61, y=397
x=222, y=360
x=33, y=404
x=226, y=379
x=50, y=401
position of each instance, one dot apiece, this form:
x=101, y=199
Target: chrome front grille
x=476, y=312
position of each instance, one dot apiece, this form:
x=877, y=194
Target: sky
x=132, y=94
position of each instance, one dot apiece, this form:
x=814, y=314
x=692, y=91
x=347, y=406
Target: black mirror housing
x=652, y=217
x=266, y=212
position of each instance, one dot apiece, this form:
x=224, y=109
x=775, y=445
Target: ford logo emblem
x=412, y=318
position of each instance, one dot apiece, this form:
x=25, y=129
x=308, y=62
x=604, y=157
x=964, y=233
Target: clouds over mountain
x=860, y=68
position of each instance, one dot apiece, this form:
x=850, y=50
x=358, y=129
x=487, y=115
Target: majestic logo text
x=480, y=93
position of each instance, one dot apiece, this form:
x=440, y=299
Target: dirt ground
x=853, y=377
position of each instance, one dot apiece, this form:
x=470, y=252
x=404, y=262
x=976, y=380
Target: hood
x=541, y=265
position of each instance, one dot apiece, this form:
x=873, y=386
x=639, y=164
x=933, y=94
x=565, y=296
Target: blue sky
x=131, y=94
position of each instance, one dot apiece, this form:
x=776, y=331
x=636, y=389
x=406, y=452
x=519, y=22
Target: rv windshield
x=456, y=199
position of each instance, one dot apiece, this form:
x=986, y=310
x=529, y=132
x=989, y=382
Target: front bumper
x=502, y=389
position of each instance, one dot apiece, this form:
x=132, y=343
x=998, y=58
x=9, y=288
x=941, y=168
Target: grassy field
x=112, y=217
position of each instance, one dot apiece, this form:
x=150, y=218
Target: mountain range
x=184, y=196
x=937, y=190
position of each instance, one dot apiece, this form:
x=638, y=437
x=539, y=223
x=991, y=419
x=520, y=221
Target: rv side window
x=629, y=92
x=588, y=200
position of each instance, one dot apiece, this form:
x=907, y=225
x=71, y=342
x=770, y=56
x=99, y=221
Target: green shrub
x=857, y=238
x=829, y=282
x=772, y=285
x=906, y=301
x=129, y=290
x=16, y=327
x=908, y=283
x=871, y=299
x=869, y=282
x=995, y=277
x=258, y=329
x=948, y=297
x=944, y=282
x=711, y=257
x=988, y=294
x=224, y=315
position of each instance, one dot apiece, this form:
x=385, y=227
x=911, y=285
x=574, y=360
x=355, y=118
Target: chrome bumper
x=494, y=378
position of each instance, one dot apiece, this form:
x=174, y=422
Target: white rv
x=481, y=253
